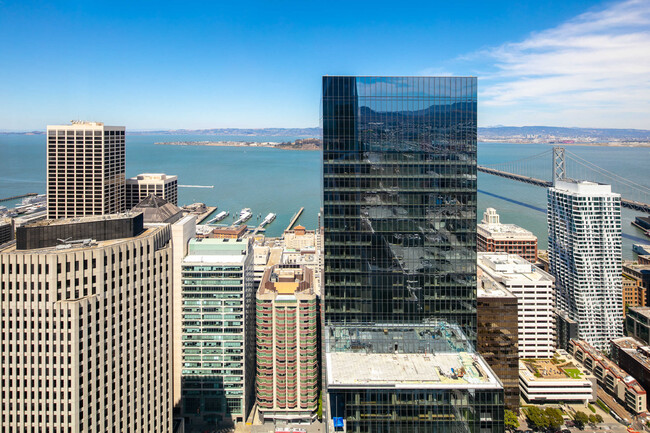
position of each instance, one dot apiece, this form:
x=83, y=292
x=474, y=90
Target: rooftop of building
x=84, y=124
x=216, y=246
x=584, y=187
x=509, y=231
x=433, y=355
x=152, y=176
x=511, y=269
x=83, y=219
x=158, y=210
x=460, y=370
x=636, y=349
x=223, y=259
x=286, y=280
x=488, y=287
x=78, y=245
x=641, y=311
x=561, y=369
x=627, y=343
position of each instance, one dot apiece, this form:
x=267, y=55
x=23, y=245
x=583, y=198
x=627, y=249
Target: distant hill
x=249, y=132
x=597, y=134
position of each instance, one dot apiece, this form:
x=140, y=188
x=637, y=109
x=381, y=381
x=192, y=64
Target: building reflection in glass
x=399, y=178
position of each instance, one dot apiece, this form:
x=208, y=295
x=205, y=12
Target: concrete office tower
x=287, y=345
x=218, y=332
x=86, y=340
x=497, y=335
x=159, y=184
x=584, y=249
x=85, y=169
x=492, y=236
x=399, y=219
x=535, y=291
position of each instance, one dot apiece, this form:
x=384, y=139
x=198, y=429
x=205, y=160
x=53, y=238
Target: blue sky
x=150, y=65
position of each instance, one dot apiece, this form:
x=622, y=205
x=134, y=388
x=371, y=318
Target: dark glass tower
x=399, y=177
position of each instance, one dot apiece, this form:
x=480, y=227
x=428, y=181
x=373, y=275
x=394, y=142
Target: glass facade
x=217, y=374
x=399, y=217
x=399, y=179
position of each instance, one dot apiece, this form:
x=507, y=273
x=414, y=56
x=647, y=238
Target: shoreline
x=593, y=144
x=297, y=145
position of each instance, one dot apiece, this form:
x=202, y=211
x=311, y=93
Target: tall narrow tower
x=85, y=169
x=584, y=248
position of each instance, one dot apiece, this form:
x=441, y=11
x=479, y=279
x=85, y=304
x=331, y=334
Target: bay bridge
x=558, y=164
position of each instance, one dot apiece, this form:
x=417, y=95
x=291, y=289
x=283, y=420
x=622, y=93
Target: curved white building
x=584, y=251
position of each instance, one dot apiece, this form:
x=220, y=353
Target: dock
x=16, y=197
x=206, y=214
x=196, y=186
x=295, y=219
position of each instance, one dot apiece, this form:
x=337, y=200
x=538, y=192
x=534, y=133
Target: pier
x=295, y=219
x=16, y=197
x=196, y=186
x=206, y=214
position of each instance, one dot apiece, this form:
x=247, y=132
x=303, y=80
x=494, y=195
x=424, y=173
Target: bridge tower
x=559, y=164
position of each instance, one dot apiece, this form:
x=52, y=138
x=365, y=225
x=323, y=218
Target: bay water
x=282, y=181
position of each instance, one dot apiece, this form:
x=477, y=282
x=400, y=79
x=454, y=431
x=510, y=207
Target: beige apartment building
x=287, y=345
x=85, y=169
x=85, y=329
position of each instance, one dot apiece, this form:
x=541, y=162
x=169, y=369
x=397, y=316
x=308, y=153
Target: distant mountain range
x=492, y=133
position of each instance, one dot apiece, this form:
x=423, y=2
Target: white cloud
x=593, y=70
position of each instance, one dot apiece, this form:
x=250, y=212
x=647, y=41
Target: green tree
x=592, y=419
x=511, y=420
x=554, y=417
x=536, y=416
x=599, y=418
x=581, y=419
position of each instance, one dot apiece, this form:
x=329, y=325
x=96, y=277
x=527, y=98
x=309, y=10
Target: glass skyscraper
x=399, y=217
x=399, y=178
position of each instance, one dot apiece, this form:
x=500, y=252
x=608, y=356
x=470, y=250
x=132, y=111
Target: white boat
x=268, y=219
x=218, y=217
x=244, y=216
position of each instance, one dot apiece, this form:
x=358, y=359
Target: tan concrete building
x=85, y=169
x=85, y=330
x=492, y=236
x=634, y=293
x=287, y=345
x=159, y=184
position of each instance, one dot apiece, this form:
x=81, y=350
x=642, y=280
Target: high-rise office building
x=158, y=184
x=498, y=335
x=584, y=249
x=399, y=168
x=86, y=336
x=535, y=291
x=218, y=332
x=85, y=169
